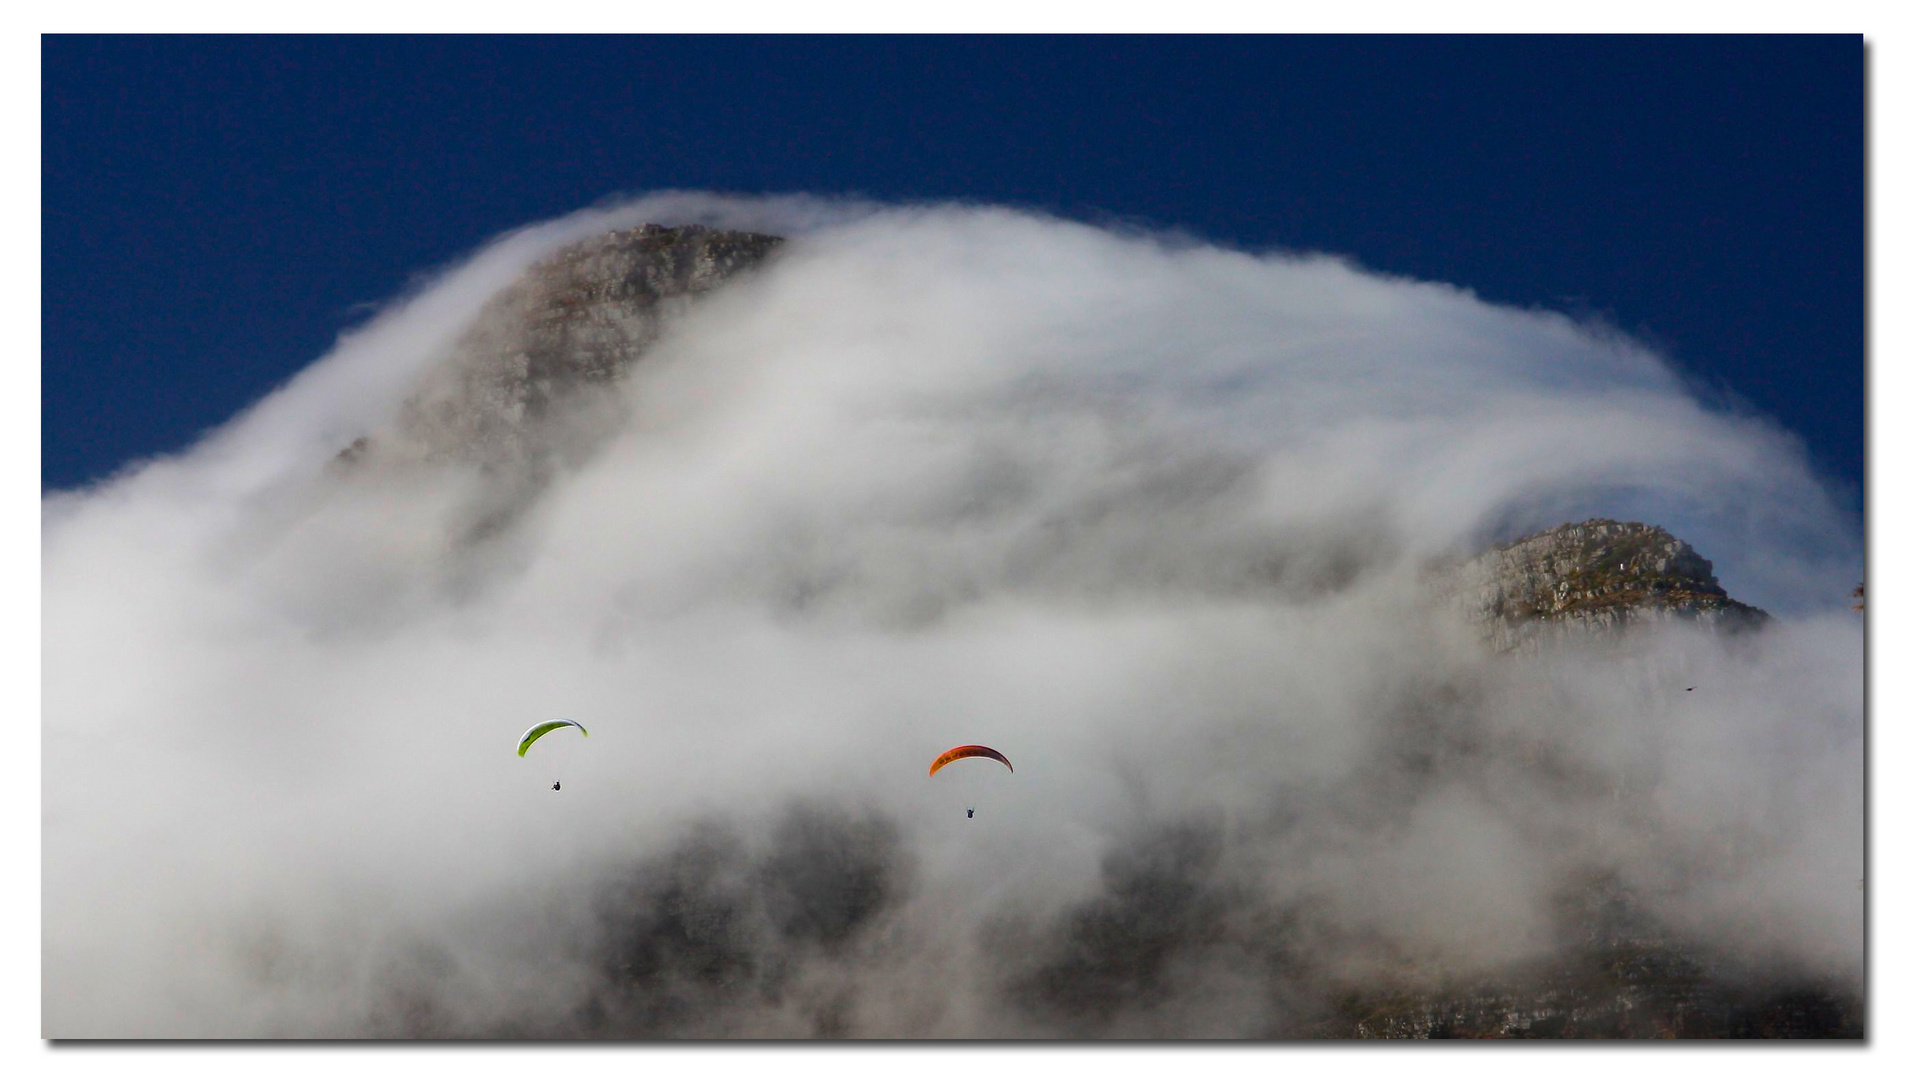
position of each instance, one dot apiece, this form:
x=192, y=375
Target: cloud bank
x=1151, y=516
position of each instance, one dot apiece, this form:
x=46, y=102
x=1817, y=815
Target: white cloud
x=1146, y=514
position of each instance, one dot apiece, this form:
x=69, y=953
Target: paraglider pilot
x=968, y=751
x=529, y=738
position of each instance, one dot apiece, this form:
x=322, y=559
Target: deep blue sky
x=215, y=210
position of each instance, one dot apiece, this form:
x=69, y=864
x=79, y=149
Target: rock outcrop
x=1592, y=581
x=519, y=394
x=577, y=319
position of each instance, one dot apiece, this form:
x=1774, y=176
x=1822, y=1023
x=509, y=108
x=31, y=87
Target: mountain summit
x=575, y=320
x=1594, y=579
x=518, y=392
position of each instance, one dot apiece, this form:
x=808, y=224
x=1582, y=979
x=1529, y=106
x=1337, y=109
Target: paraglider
x=958, y=752
x=529, y=738
x=969, y=751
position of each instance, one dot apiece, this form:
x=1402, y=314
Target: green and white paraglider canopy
x=529, y=737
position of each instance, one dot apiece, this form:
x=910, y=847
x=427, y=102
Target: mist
x=1158, y=519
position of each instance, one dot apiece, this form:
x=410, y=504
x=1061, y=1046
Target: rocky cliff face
x=577, y=319
x=517, y=395
x=1592, y=582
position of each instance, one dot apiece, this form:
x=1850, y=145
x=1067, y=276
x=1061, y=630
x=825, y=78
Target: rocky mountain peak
x=1598, y=578
x=579, y=317
x=518, y=394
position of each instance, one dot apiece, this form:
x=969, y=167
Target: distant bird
x=1690, y=689
x=557, y=787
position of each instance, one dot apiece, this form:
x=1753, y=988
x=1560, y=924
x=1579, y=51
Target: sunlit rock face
x=1595, y=581
x=579, y=318
x=519, y=393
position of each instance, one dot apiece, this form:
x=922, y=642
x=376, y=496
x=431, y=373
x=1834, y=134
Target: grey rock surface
x=527, y=389
x=578, y=319
x=1592, y=581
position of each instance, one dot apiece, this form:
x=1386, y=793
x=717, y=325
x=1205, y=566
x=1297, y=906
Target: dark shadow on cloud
x=695, y=940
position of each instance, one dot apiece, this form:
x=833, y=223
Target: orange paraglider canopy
x=958, y=752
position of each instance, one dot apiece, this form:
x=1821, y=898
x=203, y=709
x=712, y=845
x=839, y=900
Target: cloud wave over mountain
x=1159, y=519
